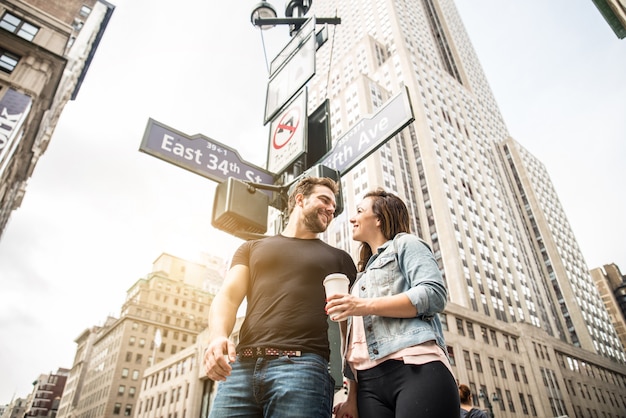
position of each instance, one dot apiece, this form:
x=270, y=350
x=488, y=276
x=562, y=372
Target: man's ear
x=299, y=199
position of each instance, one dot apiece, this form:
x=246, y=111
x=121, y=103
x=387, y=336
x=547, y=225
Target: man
x=279, y=368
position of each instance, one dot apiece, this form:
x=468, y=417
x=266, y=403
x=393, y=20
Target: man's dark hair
x=306, y=186
x=465, y=394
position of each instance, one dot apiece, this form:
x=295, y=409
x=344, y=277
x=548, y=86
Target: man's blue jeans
x=283, y=387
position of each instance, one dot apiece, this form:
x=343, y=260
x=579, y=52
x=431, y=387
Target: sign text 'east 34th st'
x=200, y=155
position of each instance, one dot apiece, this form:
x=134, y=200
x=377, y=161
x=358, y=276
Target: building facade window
x=8, y=61
x=494, y=337
x=492, y=366
x=483, y=331
x=84, y=11
x=470, y=330
x=459, y=327
x=21, y=28
x=514, y=343
x=444, y=321
x=502, y=369
x=451, y=355
x=466, y=358
x=479, y=365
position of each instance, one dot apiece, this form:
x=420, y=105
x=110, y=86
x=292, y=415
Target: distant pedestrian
x=468, y=410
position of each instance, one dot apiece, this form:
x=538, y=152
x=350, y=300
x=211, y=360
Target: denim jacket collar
x=381, y=249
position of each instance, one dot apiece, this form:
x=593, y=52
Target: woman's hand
x=340, y=307
x=346, y=409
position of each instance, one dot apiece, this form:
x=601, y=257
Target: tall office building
x=162, y=315
x=521, y=299
x=45, y=51
x=612, y=286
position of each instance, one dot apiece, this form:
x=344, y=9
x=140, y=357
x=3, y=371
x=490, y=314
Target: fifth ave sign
x=370, y=133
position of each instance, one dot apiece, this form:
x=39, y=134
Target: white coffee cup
x=336, y=284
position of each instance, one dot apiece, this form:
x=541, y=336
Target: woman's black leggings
x=397, y=390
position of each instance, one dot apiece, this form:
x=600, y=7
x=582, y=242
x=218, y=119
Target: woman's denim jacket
x=403, y=265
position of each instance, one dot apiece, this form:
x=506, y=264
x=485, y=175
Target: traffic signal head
x=239, y=208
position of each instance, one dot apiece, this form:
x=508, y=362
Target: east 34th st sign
x=200, y=155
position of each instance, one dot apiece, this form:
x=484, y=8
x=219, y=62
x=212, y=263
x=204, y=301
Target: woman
x=394, y=343
x=467, y=407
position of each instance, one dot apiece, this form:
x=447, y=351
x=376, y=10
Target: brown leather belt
x=268, y=352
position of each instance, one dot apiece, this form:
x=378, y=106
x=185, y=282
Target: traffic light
x=318, y=135
x=240, y=209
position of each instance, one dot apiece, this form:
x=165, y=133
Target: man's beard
x=313, y=223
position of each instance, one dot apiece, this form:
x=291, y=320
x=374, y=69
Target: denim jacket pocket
x=381, y=275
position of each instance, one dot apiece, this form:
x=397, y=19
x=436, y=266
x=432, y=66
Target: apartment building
x=45, y=51
x=47, y=391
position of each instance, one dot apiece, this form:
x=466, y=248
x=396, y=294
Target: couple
x=393, y=343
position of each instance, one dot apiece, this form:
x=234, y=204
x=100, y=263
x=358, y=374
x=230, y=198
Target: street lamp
x=484, y=397
x=263, y=11
x=264, y=15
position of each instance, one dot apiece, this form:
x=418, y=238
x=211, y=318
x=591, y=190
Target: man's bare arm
x=222, y=317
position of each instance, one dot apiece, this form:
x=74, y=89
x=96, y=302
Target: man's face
x=318, y=209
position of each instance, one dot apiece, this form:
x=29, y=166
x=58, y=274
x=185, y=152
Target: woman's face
x=365, y=224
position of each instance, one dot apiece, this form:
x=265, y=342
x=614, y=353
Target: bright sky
x=97, y=212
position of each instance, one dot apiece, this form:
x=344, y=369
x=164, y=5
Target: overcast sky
x=98, y=212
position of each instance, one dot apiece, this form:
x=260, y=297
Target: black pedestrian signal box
x=239, y=207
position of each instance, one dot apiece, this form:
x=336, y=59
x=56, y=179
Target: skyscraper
x=486, y=204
